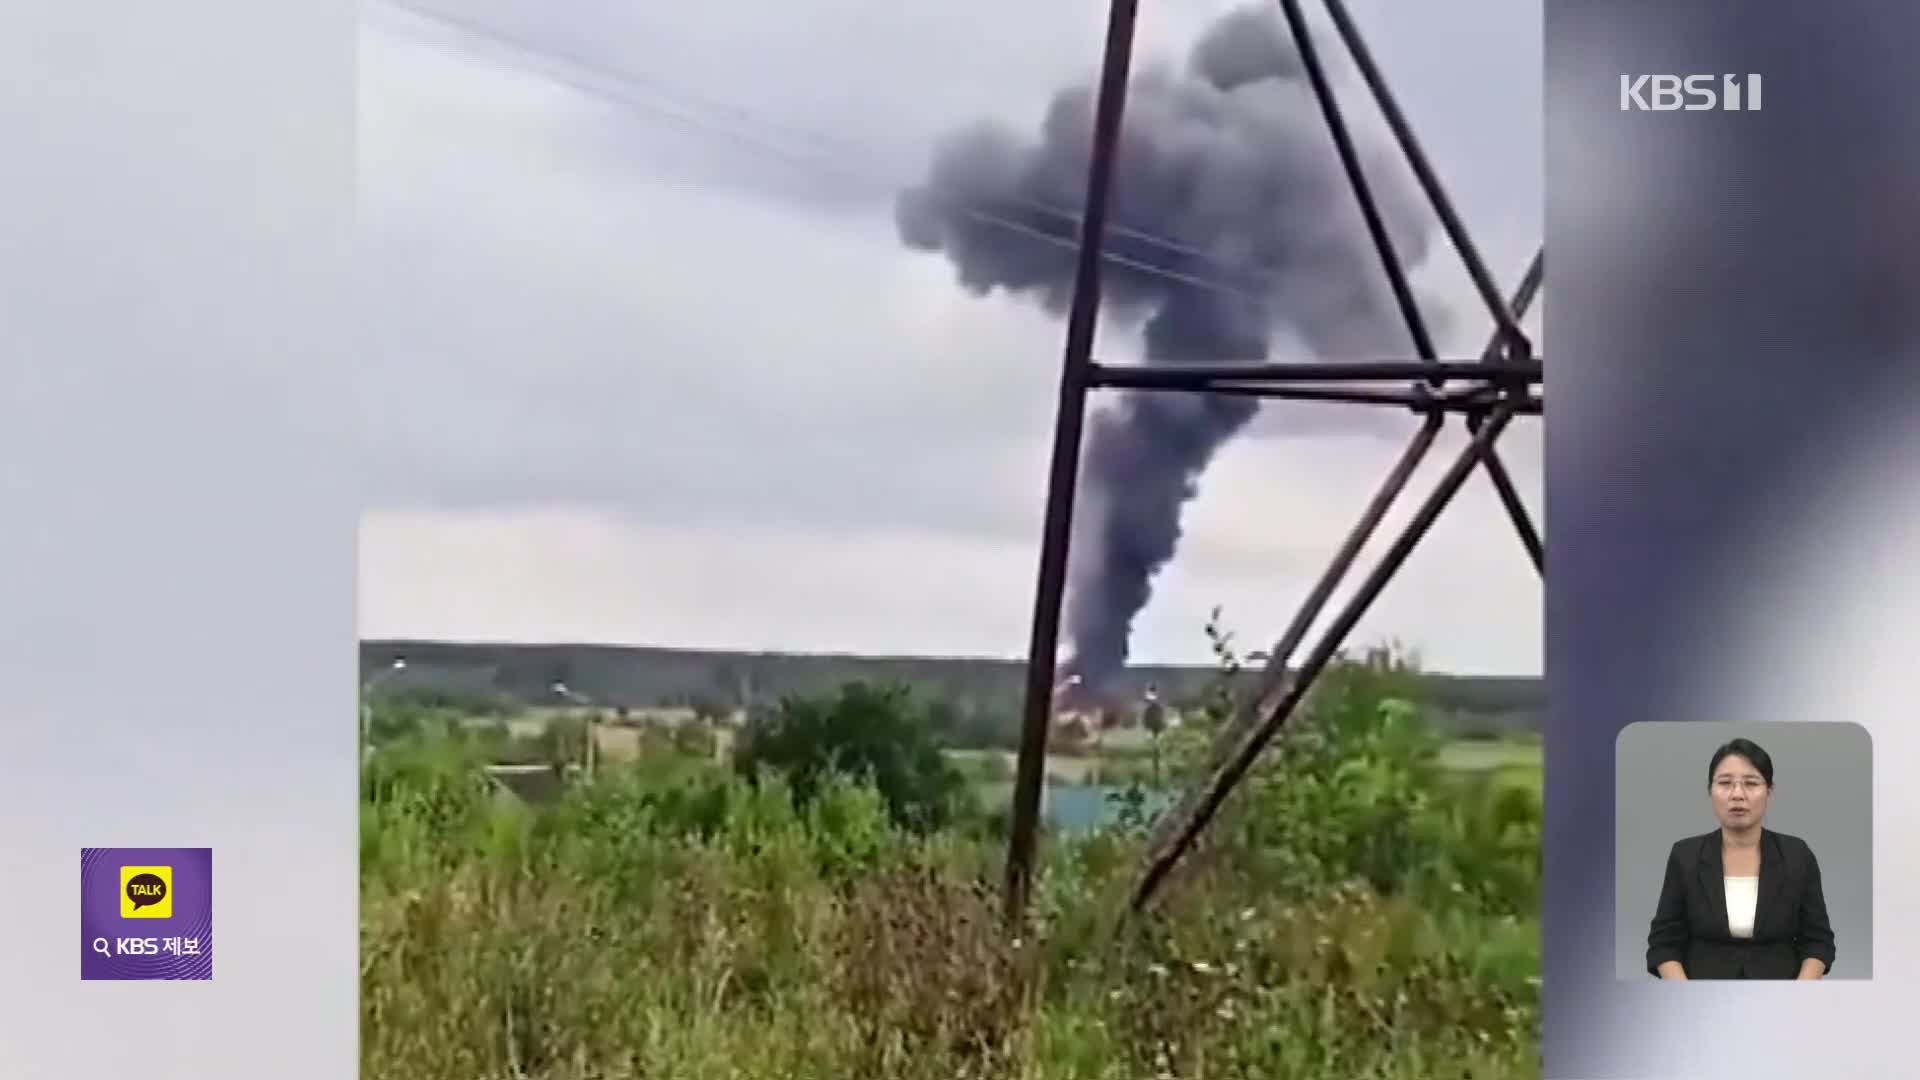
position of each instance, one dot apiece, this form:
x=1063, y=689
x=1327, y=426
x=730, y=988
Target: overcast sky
x=646, y=362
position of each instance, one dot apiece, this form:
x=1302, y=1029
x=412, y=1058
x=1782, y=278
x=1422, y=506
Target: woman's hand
x=1671, y=971
x=1811, y=968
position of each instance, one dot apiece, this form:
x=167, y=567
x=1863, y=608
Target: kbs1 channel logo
x=146, y=913
x=1690, y=93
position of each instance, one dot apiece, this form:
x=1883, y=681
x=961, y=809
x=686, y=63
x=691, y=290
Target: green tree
x=880, y=733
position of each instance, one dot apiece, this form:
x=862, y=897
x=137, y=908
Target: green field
x=1366, y=907
x=1464, y=755
x=1508, y=761
x=1469, y=755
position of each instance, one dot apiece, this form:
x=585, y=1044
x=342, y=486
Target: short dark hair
x=1745, y=748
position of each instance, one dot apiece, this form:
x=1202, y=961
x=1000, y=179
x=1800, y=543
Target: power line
x=833, y=145
x=545, y=59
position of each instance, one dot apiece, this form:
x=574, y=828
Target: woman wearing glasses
x=1743, y=901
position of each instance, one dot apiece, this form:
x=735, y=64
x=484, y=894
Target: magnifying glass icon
x=100, y=946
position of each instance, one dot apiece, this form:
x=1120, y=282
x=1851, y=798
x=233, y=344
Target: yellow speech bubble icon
x=146, y=892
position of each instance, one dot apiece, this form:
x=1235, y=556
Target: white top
x=1743, y=895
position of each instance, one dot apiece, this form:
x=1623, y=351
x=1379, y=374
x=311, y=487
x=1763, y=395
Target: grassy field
x=1367, y=907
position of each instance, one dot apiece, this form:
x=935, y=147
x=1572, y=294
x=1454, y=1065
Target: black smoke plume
x=1231, y=223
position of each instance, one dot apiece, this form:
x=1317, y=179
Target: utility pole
x=1063, y=472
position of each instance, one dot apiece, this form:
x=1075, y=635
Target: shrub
x=876, y=733
x=1357, y=912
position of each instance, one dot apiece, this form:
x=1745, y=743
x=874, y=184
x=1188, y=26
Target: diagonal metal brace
x=1510, y=498
x=1506, y=315
x=1277, y=716
x=1357, y=179
x=1275, y=677
x=1513, y=339
x=1503, y=484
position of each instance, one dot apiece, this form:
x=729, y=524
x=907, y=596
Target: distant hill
x=982, y=695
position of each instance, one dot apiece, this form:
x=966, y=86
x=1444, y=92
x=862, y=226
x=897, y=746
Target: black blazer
x=1789, y=922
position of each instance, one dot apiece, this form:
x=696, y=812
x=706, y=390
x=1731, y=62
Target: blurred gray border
x=1730, y=331
x=177, y=556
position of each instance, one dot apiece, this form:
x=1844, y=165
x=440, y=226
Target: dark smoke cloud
x=1231, y=221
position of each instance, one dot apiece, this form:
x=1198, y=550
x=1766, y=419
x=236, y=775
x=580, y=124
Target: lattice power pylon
x=1487, y=392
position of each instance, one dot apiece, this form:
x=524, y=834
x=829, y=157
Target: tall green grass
x=1359, y=911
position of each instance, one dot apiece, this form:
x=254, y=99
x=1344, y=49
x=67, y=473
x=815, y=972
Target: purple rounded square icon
x=146, y=913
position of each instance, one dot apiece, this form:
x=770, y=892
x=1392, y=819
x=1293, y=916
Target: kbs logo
x=1694, y=93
